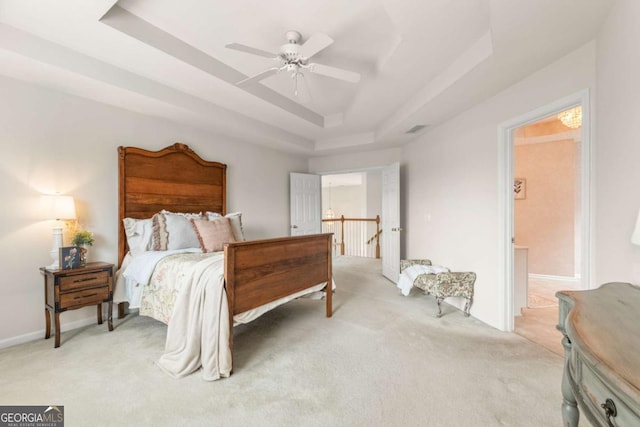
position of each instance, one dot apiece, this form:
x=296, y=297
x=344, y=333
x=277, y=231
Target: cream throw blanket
x=411, y=273
x=198, y=332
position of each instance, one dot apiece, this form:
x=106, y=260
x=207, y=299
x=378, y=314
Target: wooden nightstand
x=75, y=288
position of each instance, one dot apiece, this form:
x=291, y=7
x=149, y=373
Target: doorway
x=506, y=198
x=385, y=204
x=350, y=204
x=547, y=216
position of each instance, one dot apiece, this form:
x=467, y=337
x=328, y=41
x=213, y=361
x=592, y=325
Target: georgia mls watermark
x=31, y=416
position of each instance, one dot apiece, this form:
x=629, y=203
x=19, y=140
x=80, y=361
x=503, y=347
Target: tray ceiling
x=168, y=59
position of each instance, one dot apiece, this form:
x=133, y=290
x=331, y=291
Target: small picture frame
x=69, y=257
x=519, y=188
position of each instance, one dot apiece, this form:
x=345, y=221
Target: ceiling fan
x=294, y=58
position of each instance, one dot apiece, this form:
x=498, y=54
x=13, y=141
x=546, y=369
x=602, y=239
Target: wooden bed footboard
x=257, y=272
x=261, y=271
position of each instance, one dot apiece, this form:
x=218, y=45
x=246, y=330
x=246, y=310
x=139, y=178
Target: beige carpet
x=382, y=360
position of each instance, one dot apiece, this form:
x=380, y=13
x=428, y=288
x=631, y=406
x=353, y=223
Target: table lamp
x=58, y=208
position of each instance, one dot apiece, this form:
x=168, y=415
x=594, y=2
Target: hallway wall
x=544, y=219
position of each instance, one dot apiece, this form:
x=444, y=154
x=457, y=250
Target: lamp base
x=55, y=265
x=55, y=248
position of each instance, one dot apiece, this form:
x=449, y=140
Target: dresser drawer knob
x=610, y=411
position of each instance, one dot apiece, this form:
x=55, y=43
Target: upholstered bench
x=443, y=284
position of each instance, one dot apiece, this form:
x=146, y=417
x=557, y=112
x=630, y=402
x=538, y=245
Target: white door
x=390, y=250
x=305, y=204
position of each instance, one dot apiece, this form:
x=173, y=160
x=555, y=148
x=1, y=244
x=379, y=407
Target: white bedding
x=198, y=332
x=136, y=272
x=195, y=337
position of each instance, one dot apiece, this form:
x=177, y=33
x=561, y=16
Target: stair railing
x=350, y=235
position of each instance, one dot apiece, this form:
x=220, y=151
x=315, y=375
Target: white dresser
x=601, y=378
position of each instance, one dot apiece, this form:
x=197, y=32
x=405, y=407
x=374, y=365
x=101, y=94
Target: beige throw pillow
x=213, y=234
x=236, y=223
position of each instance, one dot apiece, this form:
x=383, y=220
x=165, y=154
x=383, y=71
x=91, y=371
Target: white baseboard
x=555, y=278
x=32, y=336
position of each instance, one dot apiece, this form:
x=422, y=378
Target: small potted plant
x=83, y=239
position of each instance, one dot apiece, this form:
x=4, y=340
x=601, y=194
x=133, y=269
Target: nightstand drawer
x=84, y=297
x=75, y=281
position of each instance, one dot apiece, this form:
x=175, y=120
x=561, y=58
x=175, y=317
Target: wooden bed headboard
x=174, y=178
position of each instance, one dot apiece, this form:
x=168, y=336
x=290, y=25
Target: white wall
x=618, y=149
x=354, y=161
x=451, y=176
x=56, y=142
x=374, y=193
x=347, y=200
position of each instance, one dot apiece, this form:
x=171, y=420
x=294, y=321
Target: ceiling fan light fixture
x=301, y=90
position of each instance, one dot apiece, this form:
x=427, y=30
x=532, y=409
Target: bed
x=256, y=274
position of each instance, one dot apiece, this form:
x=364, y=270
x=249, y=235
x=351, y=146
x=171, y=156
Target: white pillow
x=236, y=223
x=174, y=231
x=139, y=234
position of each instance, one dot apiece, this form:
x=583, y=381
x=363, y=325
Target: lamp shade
x=58, y=207
x=635, y=237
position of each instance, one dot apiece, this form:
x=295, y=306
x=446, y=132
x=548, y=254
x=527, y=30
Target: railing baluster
x=378, y=231
x=342, y=234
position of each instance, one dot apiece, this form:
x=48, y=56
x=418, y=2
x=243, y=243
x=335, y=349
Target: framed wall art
x=519, y=188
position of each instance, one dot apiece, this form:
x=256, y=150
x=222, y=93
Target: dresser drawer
x=84, y=297
x=76, y=281
x=595, y=392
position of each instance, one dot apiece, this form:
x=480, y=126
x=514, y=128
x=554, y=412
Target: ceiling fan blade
x=263, y=75
x=315, y=44
x=336, y=73
x=252, y=50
